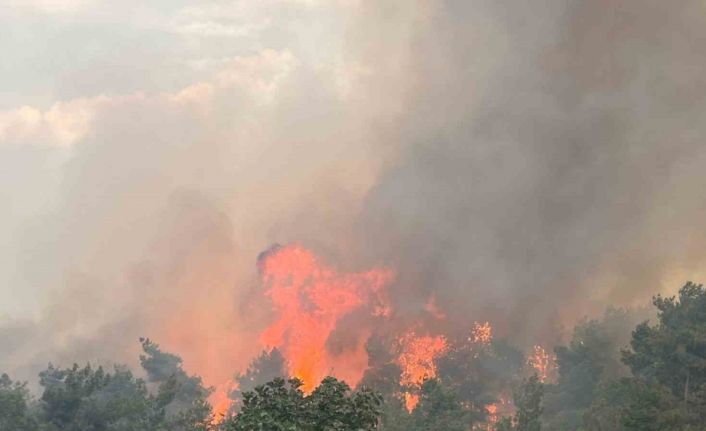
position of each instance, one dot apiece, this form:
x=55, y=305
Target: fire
x=410, y=401
x=492, y=410
x=481, y=333
x=310, y=299
x=542, y=362
x=220, y=400
x=496, y=410
x=416, y=361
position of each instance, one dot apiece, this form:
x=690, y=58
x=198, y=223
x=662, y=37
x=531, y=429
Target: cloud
x=63, y=124
x=46, y=6
x=66, y=123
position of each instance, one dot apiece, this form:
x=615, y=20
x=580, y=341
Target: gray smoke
x=549, y=161
x=526, y=164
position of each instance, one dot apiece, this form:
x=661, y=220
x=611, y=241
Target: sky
x=524, y=163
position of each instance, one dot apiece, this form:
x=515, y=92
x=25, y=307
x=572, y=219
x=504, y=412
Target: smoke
x=549, y=163
x=525, y=164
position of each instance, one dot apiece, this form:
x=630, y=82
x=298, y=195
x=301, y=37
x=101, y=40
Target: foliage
x=657, y=384
x=281, y=405
x=264, y=368
x=674, y=351
x=188, y=408
x=383, y=375
x=591, y=359
x=633, y=404
x=469, y=377
x=93, y=399
x=667, y=390
x=528, y=401
x=477, y=373
x=440, y=409
x=14, y=406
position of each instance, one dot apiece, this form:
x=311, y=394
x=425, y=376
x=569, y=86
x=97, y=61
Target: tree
x=281, y=405
x=528, y=401
x=673, y=352
x=470, y=373
x=91, y=399
x=332, y=406
x=276, y=406
x=440, y=409
x=632, y=404
x=478, y=372
x=14, y=406
x=589, y=361
x=187, y=408
x=264, y=368
x=667, y=389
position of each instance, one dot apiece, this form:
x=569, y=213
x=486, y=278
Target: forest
x=613, y=374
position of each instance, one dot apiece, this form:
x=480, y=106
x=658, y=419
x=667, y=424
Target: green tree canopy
x=281, y=405
x=440, y=409
x=590, y=360
x=667, y=389
x=92, y=399
x=14, y=406
x=528, y=402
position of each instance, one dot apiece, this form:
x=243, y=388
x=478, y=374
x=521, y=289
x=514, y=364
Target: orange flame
x=410, y=401
x=492, y=410
x=220, y=400
x=542, y=362
x=416, y=361
x=310, y=299
x=496, y=410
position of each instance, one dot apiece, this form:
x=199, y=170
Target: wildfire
x=481, y=333
x=221, y=401
x=542, y=362
x=416, y=360
x=310, y=299
x=495, y=411
x=492, y=410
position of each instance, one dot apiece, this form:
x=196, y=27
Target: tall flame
x=220, y=400
x=310, y=299
x=416, y=360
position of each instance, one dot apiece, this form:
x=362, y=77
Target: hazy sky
x=526, y=163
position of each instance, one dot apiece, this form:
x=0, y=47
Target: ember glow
x=497, y=410
x=416, y=360
x=542, y=362
x=482, y=333
x=309, y=299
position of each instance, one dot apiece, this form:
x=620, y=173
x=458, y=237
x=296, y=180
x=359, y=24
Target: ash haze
x=521, y=162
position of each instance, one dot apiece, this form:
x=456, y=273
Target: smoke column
x=524, y=164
